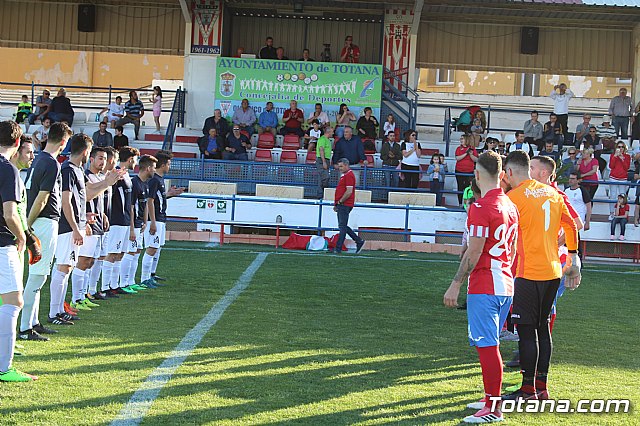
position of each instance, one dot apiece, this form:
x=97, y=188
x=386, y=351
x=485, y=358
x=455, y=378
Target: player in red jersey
x=492, y=224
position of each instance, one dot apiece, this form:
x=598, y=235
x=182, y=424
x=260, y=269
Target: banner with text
x=328, y=83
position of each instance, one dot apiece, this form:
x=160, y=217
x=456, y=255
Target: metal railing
x=176, y=118
x=404, y=99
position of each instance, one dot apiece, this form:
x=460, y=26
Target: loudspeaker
x=86, y=18
x=529, y=40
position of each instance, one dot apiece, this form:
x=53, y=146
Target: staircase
x=400, y=100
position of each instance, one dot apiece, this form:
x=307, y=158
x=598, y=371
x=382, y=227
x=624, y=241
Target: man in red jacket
x=619, y=164
x=343, y=204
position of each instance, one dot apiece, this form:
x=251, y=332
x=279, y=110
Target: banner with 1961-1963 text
x=328, y=83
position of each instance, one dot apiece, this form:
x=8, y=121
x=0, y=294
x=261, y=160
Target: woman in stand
x=466, y=157
x=343, y=119
x=588, y=167
x=411, y=152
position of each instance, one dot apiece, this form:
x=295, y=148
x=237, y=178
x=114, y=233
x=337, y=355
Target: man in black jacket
x=61, y=109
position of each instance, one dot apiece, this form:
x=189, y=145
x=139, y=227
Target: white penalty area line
x=140, y=402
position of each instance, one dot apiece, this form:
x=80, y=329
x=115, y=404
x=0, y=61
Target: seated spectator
x=521, y=144
x=218, y=122
x=350, y=147
x=434, y=172
x=591, y=139
x=292, y=119
x=491, y=144
x=582, y=129
x=620, y=216
x=24, y=109
x=244, y=117
x=115, y=111
x=60, y=109
x=619, y=163
x=312, y=136
x=570, y=164
x=350, y=52
x=553, y=132
x=366, y=127
x=548, y=151
x=280, y=54
x=607, y=134
x=42, y=107
x=320, y=115
x=120, y=139
x=211, y=146
x=343, y=119
x=268, y=51
x=389, y=126
x=236, y=146
x=533, y=130
x=41, y=134
x=133, y=110
x=502, y=148
x=239, y=52
x=268, y=120
x=466, y=157
x=476, y=132
x=102, y=137
x=480, y=116
x=306, y=56
x=391, y=154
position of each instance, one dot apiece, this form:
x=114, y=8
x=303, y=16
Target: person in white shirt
x=561, y=97
x=320, y=115
x=389, y=126
x=411, y=152
x=115, y=111
x=579, y=198
x=41, y=134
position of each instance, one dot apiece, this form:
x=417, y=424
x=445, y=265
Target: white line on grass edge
x=140, y=402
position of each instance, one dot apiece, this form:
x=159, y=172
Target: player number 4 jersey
x=495, y=218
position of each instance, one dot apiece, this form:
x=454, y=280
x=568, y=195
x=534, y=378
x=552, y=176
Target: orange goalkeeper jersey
x=542, y=213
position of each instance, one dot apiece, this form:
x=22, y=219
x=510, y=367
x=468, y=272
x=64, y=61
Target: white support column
x=635, y=85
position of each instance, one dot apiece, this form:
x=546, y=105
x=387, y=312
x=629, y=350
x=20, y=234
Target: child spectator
x=120, y=140
x=434, y=172
x=115, y=111
x=620, y=216
x=24, y=109
x=476, y=131
x=312, y=136
x=389, y=126
x=41, y=134
x=444, y=169
x=156, y=100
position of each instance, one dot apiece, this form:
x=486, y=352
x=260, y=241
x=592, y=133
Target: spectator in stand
x=635, y=126
x=619, y=163
x=591, y=139
x=521, y=144
x=211, y=146
x=621, y=109
x=366, y=127
x=244, y=117
x=561, y=97
x=350, y=147
x=391, y=154
x=410, y=164
x=236, y=146
x=42, y=107
x=350, y=52
x=239, y=52
x=268, y=51
x=620, y=216
x=120, y=139
x=133, y=110
x=389, y=126
x=24, y=109
x=553, y=132
x=280, y=54
x=502, y=150
x=306, y=57
x=102, y=137
x=582, y=129
x=588, y=168
x=570, y=164
x=156, y=101
x=477, y=132
x=549, y=152
x=491, y=144
x=607, y=134
x=444, y=169
x=579, y=198
x=115, y=111
x=320, y=115
x=41, y=134
x=343, y=119
x=216, y=121
x=60, y=109
x=268, y=120
x=323, y=160
x=466, y=157
x=482, y=117
x=312, y=136
x=293, y=119
x=533, y=130
x=434, y=172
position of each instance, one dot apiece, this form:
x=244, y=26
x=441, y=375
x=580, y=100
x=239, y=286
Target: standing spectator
x=389, y=126
x=570, y=164
x=434, y=172
x=366, y=127
x=41, y=134
x=244, y=117
x=120, y=139
x=621, y=109
x=582, y=129
x=444, y=169
x=635, y=126
x=102, y=137
x=312, y=136
x=553, y=132
x=134, y=110
x=466, y=157
x=411, y=152
x=211, y=146
x=60, y=109
x=306, y=56
x=156, y=101
x=24, y=109
x=349, y=147
x=561, y=97
x=620, y=216
x=579, y=198
x=350, y=52
x=292, y=119
x=115, y=111
x=588, y=168
x=42, y=107
x=268, y=120
x=607, y=134
x=323, y=160
x=221, y=124
x=619, y=163
x=533, y=130
x=343, y=119
x=280, y=54
x=391, y=154
x=521, y=144
x=268, y=51
x=236, y=146
x=320, y=115
x=549, y=152
x=344, y=201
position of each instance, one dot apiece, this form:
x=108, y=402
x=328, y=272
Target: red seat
x=369, y=151
x=291, y=142
x=289, y=157
x=311, y=158
x=263, y=155
x=244, y=132
x=266, y=140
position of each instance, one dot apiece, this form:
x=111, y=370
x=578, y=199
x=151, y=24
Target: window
x=623, y=81
x=529, y=84
x=444, y=77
